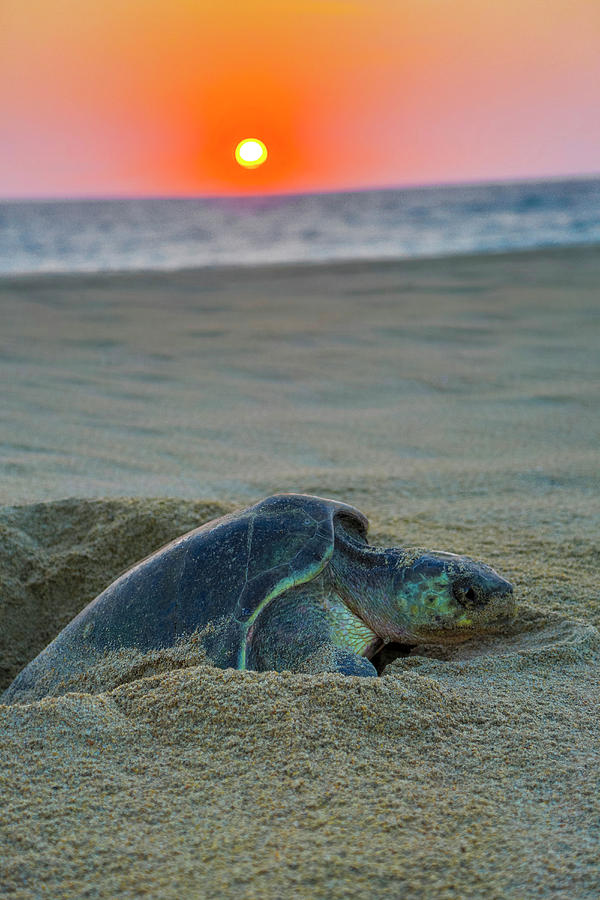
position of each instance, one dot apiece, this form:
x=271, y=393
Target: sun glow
x=250, y=153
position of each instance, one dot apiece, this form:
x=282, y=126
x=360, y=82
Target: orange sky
x=121, y=97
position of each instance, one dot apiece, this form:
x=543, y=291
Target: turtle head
x=437, y=595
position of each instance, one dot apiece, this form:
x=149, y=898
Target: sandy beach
x=455, y=402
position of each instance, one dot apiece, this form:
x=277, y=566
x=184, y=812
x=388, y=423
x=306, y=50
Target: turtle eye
x=431, y=601
x=468, y=595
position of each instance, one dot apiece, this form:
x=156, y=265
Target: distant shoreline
x=304, y=266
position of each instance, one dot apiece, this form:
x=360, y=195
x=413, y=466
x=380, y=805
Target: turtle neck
x=365, y=578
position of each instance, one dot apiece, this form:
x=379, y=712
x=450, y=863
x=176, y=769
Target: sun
x=250, y=153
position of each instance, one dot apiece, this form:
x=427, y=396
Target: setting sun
x=250, y=153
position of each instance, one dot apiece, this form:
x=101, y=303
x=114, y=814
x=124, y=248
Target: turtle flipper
x=329, y=658
x=295, y=633
x=348, y=663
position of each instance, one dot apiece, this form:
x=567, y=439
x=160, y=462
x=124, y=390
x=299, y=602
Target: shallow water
x=170, y=233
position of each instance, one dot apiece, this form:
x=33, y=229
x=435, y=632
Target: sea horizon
x=417, y=186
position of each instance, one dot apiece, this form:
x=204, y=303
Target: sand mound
x=56, y=557
x=470, y=771
x=269, y=785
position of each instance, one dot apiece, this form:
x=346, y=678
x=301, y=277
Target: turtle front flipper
x=345, y=662
x=297, y=633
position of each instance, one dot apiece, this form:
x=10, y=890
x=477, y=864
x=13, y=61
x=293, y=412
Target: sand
x=455, y=402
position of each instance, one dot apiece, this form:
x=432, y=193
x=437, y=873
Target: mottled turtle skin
x=288, y=584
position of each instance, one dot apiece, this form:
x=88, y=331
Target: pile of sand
x=475, y=775
x=56, y=557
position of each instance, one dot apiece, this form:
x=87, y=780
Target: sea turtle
x=289, y=583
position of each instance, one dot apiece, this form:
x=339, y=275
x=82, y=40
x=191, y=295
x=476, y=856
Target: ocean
x=173, y=233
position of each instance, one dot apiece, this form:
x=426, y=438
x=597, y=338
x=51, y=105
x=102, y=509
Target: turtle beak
x=480, y=588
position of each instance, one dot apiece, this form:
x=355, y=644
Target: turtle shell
x=226, y=572
x=290, y=539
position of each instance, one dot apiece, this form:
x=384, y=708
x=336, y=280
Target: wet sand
x=456, y=403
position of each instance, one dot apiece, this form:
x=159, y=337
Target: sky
x=151, y=97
